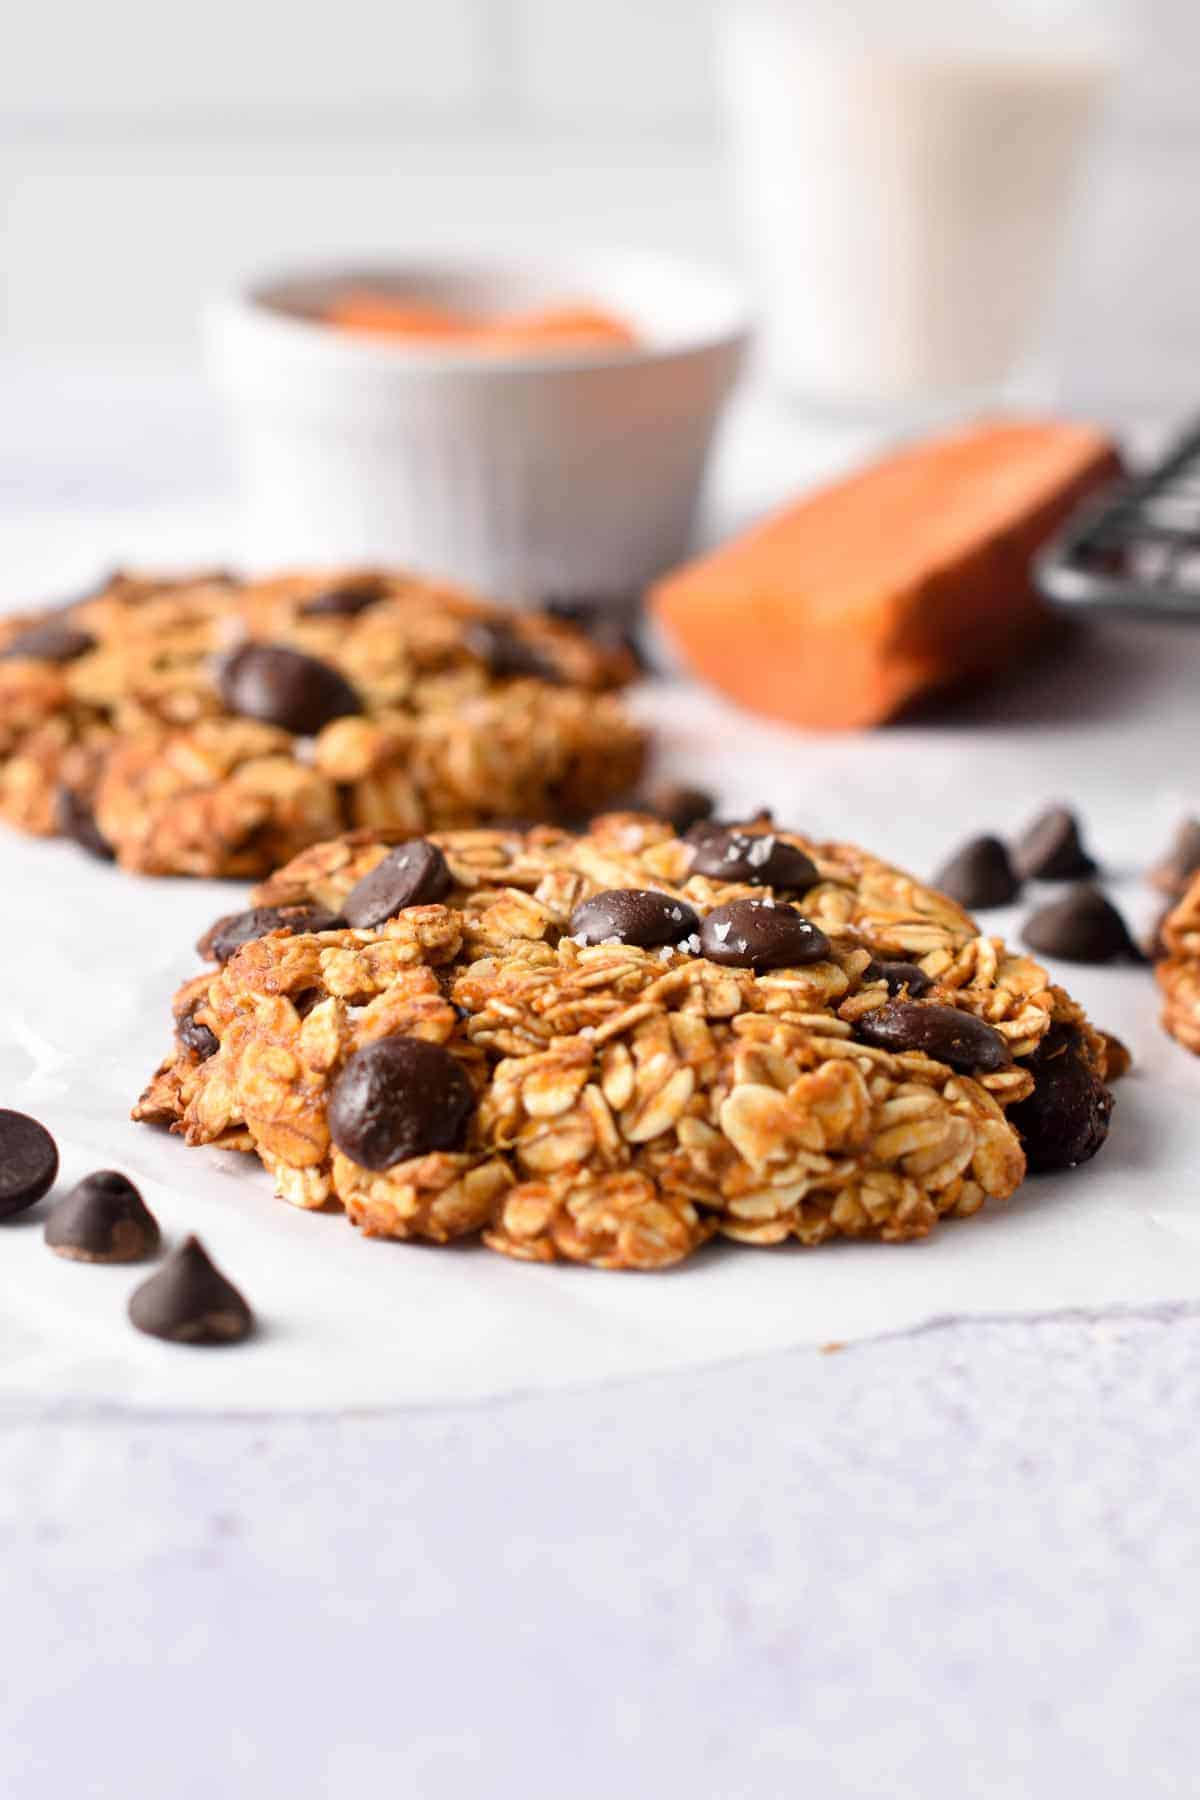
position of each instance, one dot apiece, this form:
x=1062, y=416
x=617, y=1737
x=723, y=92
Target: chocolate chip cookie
x=608, y=1048
x=207, y=726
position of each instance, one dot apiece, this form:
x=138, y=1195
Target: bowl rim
x=254, y=308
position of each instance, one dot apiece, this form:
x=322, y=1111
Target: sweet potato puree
x=572, y=326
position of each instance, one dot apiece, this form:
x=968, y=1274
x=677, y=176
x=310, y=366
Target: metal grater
x=1136, y=547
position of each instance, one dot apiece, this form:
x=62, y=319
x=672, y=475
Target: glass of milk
x=906, y=170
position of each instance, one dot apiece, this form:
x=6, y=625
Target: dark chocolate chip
x=75, y=819
x=760, y=860
x=899, y=976
x=196, y=1037
x=51, y=640
x=1082, y=927
x=414, y=874
x=189, y=1301
x=347, y=599
x=284, y=687
x=940, y=1032
x=103, y=1220
x=1174, y=873
x=1065, y=1120
x=640, y=916
x=979, y=875
x=681, y=806
x=28, y=1162
x=235, y=929
x=758, y=934
x=507, y=654
x=397, y=1098
x=1051, y=849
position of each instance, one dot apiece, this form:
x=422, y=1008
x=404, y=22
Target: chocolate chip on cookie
x=229, y=934
x=979, y=875
x=28, y=1162
x=640, y=916
x=414, y=874
x=758, y=934
x=196, y=1037
x=52, y=640
x=397, y=1098
x=941, y=1032
x=1181, y=862
x=103, y=1220
x=506, y=654
x=1051, y=848
x=346, y=599
x=75, y=819
x=1065, y=1120
x=189, y=1301
x=899, y=976
x=681, y=806
x=1082, y=927
x=284, y=687
x=759, y=860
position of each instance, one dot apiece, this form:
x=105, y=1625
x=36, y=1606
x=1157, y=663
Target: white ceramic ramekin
x=572, y=474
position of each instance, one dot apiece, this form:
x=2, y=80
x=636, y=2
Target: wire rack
x=1136, y=547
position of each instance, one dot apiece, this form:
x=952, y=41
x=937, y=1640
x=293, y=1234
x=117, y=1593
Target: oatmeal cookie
x=1179, y=971
x=207, y=726
x=608, y=1048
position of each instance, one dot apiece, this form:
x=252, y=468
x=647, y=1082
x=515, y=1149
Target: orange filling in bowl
x=572, y=326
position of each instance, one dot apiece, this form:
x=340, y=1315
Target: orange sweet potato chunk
x=849, y=605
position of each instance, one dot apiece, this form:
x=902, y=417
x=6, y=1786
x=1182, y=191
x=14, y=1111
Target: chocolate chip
x=397, y=1098
x=979, y=875
x=899, y=976
x=640, y=916
x=1065, y=1119
x=103, y=1220
x=196, y=1037
x=941, y=1032
x=414, y=874
x=189, y=1301
x=681, y=806
x=347, y=599
x=52, y=640
x=75, y=819
x=757, y=934
x=761, y=860
x=235, y=929
x=284, y=687
x=1051, y=849
x=28, y=1162
x=1174, y=873
x=507, y=654
x=1082, y=927
x=610, y=621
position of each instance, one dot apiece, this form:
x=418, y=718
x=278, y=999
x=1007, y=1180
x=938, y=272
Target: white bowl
x=574, y=473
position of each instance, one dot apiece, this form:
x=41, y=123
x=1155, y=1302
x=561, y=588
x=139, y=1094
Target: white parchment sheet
x=89, y=959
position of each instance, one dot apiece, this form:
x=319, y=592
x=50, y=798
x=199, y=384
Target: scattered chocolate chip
x=397, y=1098
x=414, y=874
x=103, y=1220
x=1082, y=927
x=75, y=819
x=1174, y=873
x=762, y=860
x=757, y=934
x=1065, y=1119
x=941, y=1032
x=979, y=875
x=681, y=806
x=189, y=1301
x=196, y=1037
x=51, y=640
x=284, y=687
x=1051, y=849
x=28, y=1162
x=347, y=599
x=899, y=976
x=507, y=654
x=640, y=916
x=229, y=934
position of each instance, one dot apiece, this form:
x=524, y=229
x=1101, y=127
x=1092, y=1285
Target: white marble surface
x=956, y=1563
